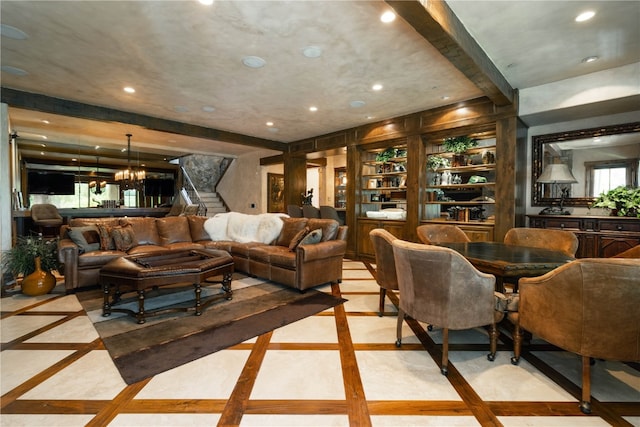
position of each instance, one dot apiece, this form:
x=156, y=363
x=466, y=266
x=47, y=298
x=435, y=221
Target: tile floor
x=337, y=368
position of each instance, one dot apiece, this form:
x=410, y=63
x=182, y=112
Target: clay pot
x=39, y=282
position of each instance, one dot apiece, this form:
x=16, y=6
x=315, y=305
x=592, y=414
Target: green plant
x=625, y=200
x=21, y=258
x=459, y=144
x=387, y=154
x=436, y=162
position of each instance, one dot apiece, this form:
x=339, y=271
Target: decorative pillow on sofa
x=290, y=228
x=123, y=237
x=106, y=241
x=87, y=237
x=314, y=236
x=298, y=238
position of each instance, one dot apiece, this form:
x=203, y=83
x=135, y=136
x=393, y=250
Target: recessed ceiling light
x=206, y=2
x=388, y=16
x=313, y=108
x=444, y=97
x=357, y=104
x=42, y=153
x=97, y=147
x=43, y=137
x=12, y=32
x=369, y=117
x=312, y=51
x=590, y=59
x=585, y=16
x=208, y=109
x=122, y=150
x=253, y=61
x=129, y=89
x=43, y=145
x=45, y=121
x=269, y=123
x=376, y=86
x=14, y=70
x=74, y=160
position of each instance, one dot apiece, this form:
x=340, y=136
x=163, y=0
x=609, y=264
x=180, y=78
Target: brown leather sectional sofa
x=301, y=267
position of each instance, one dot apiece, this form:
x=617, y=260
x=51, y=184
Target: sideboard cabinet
x=598, y=236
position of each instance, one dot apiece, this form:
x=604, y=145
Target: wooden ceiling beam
x=48, y=104
x=438, y=25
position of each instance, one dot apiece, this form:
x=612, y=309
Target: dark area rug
x=170, y=340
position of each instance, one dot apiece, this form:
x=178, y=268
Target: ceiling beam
x=437, y=24
x=48, y=104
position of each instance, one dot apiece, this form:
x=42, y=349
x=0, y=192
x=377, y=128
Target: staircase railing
x=190, y=193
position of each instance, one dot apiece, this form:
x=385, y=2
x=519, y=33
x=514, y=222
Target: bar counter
x=22, y=218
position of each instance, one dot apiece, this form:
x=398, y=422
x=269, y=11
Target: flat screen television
x=155, y=187
x=58, y=183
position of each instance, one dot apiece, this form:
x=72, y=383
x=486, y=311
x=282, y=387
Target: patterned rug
x=170, y=340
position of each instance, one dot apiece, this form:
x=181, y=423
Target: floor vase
x=39, y=282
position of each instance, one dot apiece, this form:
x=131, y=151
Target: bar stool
x=46, y=217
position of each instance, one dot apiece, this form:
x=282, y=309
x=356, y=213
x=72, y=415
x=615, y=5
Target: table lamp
x=557, y=173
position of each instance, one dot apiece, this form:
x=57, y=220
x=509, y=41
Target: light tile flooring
x=338, y=368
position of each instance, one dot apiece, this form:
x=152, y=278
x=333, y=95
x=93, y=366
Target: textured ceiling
x=183, y=57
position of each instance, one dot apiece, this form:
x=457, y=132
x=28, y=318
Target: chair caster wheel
x=515, y=360
x=398, y=343
x=585, y=407
x=491, y=357
x=444, y=371
x=430, y=328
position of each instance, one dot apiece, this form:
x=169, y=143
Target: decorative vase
x=39, y=282
x=459, y=160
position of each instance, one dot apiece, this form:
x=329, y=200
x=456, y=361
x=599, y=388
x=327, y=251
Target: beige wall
x=244, y=184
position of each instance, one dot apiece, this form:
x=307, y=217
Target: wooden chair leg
x=493, y=339
x=585, y=404
x=383, y=294
x=399, y=327
x=445, y=351
x=517, y=343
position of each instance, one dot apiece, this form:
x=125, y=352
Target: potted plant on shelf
x=33, y=258
x=436, y=162
x=621, y=201
x=459, y=145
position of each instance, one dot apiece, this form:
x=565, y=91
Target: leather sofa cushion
x=281, y=256
x=173, y=229
x=98, y=258
x=196, y=228
x=290, y=227
x=145, y=230
x=141, y=249
x=329, y=227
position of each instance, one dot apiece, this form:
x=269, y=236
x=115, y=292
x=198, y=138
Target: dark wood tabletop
x=509, y=261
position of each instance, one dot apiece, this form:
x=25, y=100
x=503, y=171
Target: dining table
x=509, y=262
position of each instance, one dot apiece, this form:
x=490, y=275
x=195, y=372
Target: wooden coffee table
x=141, y=272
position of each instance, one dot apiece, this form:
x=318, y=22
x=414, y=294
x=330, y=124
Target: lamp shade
x=556, y=173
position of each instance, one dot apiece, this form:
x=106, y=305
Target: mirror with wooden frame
x=599, y=158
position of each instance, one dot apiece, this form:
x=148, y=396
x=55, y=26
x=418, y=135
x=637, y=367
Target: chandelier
x=130, y=178
x=97, y=184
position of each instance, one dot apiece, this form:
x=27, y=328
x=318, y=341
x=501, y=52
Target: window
x=606, y=175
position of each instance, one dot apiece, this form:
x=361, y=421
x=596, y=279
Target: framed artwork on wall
x=275, y=192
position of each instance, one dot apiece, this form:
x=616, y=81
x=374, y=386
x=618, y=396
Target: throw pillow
x=314, y=236
x=87, y=238
x=106, y=241
x=123, y=237
x=298, y=238
x=290, y=227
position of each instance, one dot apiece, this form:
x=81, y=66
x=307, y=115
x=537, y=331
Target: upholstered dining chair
x=385, y=263
x=310, y=211
x=588, y=307
x=634, y=252
x=294, y=211
x=439, y=286
x=47, y=218
x=432, y=234
x=560, y=240
x=329, y=212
